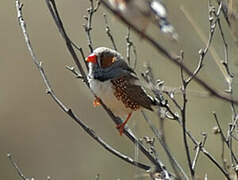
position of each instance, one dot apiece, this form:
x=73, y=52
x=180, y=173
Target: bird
x=116, y=84
x=141, y=12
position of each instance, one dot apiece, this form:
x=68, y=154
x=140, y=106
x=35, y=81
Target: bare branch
x=108, y=31
x=72, y=69
x=229, y=81
x=61, y=105
x=198, y=150
x=81, y=52
x=224, y=138
x=13, y=163
x=185, y=83
x=170, y=57
x=225, y=61
x=225, y=11
x=209, y=156
x=53, y=10
x=148, y=77
x=176, y=166
x=89, y=18
x=183, y=114
x=161, y=101
x=159, y=166
x=130, y=44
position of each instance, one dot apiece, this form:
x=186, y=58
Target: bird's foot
x=96, y=102
x=120, y=128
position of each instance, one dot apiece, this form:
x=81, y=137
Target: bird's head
x=103, y=58
x=104, y=61
x=105, y=64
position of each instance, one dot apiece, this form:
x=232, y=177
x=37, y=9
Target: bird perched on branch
x=141, y=12
x=116, y=84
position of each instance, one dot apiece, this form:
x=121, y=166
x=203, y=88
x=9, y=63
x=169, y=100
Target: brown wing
x=132, y=95
x=139, y=96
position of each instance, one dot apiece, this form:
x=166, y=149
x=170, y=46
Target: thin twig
x=130, y=44
x=213, y=52
x=108, y=31
x=224, y=138
x=185, y=83
x=170, y=57
x=208, y=155
x=14, y=164
x=172, y=160
x=225, y=11
x=229, y=81
x=54, y=12
x=148, y=77
x=212, y=27
x=88, y=27
x=225, y=61
x=198, y=150
x=183, y=114
x=211, y=158
x=53, y=9
x=82, y=53
x=159, y=99
x=61, y=105
x=72, y=69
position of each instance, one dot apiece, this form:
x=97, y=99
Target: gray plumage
x=117, y=69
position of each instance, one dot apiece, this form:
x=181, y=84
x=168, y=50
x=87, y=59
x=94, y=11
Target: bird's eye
x=107, y=61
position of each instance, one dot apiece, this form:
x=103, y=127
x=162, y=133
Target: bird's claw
x=120, y=128
x=96, y=102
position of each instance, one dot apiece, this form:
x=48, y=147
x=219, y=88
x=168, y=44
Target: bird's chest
x=107, y=92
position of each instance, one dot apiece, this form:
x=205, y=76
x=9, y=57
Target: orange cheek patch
x=107, y=61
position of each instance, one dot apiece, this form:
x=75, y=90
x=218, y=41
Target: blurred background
x=46, y=142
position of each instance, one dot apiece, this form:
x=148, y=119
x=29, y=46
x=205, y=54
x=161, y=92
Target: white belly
x=105, y=92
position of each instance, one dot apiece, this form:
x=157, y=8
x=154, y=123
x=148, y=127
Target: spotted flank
x=120, y=86
x=116, y=84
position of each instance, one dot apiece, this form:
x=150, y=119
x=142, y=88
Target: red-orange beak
x=92, y=58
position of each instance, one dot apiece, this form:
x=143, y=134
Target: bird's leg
x=96, y=102
x=121, y=126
